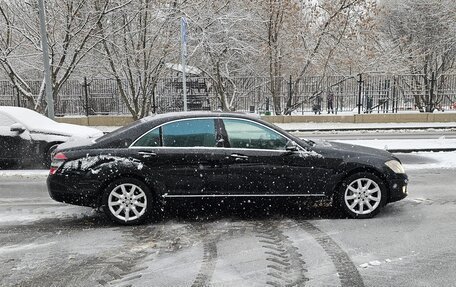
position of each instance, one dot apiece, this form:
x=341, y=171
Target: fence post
x=86, y=94
x=18, y=97
x=290, y=95
x=394, y=108
x=360, y=82
x=154, y=108
x=431, y=93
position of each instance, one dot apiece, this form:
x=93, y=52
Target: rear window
x=117, y=132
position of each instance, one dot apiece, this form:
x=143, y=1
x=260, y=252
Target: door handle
x=147, y=154
x=238, y=157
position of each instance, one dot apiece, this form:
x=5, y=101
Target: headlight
x=395, y=166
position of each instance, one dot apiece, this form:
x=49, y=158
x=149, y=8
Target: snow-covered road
x=410, y=243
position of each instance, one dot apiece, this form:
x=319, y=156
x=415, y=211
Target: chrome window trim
x=210, y=148
x=217, y=148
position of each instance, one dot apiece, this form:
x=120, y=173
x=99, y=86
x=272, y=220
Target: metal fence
x=368, y=93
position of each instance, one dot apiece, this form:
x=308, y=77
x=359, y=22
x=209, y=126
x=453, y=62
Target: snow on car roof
x=29, y=118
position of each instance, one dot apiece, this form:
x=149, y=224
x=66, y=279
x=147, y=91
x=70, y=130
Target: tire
x=128, y=201
x=362, y=195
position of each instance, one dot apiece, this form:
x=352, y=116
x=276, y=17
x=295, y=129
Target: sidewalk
x=392, y=145
x=309, y=126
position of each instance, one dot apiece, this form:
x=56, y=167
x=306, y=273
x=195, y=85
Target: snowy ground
x=405, y=145
x=46, y=243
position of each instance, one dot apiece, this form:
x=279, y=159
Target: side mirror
x=291, y=146
x=17, y=127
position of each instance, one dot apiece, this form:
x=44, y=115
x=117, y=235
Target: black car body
x=204, y=154
x=28, y=137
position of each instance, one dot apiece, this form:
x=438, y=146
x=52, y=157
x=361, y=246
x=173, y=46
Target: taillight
x=57, y=161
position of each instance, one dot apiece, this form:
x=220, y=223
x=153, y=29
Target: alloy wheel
x=127, y=202
x=362, y=196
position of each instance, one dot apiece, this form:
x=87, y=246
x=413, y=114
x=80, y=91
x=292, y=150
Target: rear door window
x=183, y=133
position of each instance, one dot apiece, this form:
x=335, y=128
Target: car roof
x=139, y=127
x=27, y=117
x=196, y=114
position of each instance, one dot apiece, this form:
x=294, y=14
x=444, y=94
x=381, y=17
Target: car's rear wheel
x=127, y=201
x=362, y=195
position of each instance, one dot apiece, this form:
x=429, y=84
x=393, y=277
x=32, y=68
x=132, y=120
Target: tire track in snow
x=348, y=273
x=286, y=266
x=208, y=265
x=204, y=276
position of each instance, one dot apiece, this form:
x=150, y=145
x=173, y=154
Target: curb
x=421, y=150
x=290, y=130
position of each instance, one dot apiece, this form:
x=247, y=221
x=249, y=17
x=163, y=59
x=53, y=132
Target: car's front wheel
x=362, y=195
x=127, y=201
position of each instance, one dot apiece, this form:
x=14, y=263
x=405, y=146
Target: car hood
x=69, y=130
x=330, y=148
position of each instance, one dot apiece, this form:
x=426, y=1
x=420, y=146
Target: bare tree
x=71, y=27
x=422, y=35
x=136, y=42
x=221, y=44
x=303, y=37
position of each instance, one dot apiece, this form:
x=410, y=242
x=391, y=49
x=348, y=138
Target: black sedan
x=132, y=170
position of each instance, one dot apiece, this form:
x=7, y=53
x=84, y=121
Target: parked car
x=28, y=137
x=132, y=170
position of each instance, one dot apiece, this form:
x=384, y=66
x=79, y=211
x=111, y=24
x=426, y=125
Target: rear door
x=184, y=157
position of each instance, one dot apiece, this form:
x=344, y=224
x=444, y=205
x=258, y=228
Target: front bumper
x=398, y=188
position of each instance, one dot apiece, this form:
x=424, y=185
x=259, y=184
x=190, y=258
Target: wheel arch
x=355, y=170
x=49, y=145
x=47, y=152
x=141, y=177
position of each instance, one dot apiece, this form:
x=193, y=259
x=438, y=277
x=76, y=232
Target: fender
x=100, y=170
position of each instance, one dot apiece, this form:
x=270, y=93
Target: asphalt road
x=411, y=243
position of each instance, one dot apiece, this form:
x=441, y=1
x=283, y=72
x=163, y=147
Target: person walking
x=317, y=105
x=330, y=99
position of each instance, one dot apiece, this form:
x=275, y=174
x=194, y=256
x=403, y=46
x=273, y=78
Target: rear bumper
x=74, y=191
x=398, y=188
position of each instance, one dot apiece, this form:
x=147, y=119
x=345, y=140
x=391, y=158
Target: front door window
x=246, y=134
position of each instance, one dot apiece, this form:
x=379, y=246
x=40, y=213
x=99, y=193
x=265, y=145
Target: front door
x=258, y=163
